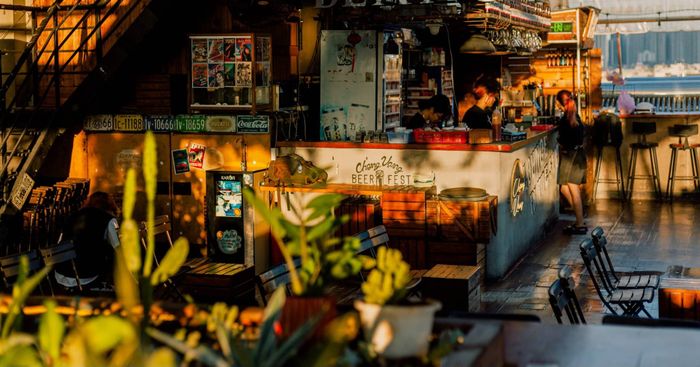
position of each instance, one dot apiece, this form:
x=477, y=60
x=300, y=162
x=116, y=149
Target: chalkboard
x=253, y=124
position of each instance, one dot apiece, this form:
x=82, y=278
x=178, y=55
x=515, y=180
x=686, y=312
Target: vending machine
x=235, y=232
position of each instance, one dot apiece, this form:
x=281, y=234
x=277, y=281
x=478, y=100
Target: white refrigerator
x=351, y=80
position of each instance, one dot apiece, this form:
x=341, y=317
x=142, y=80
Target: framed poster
x=226, y=72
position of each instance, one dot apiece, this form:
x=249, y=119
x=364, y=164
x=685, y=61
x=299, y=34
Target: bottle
x=496, y=121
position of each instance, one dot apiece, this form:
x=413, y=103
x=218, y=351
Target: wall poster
x=181, y=163
x=229, y=71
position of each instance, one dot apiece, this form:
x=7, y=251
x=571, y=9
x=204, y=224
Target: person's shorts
x=572, y=166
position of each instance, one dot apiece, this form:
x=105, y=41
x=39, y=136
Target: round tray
x=463, y=194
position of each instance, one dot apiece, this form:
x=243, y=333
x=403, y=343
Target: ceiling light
x=477, y=44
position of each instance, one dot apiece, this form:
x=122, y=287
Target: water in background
x=654, y=85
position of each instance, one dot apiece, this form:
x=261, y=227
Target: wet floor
x=642, y=235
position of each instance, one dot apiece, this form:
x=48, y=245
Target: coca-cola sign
x=253, y=124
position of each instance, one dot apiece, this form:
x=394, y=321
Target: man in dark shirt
x=486, y=92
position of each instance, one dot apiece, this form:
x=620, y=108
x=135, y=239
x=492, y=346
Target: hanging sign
x=191, y=123
x=24, y=189
x=128, y=123
x=98, y=123
x=160, y=123
x=253, y=124
x=221, y=124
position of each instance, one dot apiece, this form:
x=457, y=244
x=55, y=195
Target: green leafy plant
x=267, y=351
x=387, y=282
x=134, y=278
x=311, y=239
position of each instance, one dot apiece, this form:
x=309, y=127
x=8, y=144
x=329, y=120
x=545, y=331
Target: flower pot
x=298, y=310
x=398, y=331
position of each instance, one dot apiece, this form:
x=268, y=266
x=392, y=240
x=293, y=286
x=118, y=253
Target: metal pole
x=578, y=59
x=56, y=64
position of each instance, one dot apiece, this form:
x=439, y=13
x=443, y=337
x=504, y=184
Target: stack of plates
x=463, y=194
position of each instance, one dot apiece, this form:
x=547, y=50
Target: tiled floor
x=642, y=235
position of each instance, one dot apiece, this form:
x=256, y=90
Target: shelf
x=420, y=97
x=393, y=92
x=418, y=88
x=392, y=113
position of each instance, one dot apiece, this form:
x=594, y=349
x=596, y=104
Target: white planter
x=398, y=331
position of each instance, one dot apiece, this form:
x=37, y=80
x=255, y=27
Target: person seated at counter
x=467, y=102
x=432, y=111
x=572, y=159
x=486, y=93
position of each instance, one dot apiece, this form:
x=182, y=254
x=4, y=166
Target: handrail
x=59, y=69
x=29, y=47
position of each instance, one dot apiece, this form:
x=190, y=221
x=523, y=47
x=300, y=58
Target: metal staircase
x=69, y=40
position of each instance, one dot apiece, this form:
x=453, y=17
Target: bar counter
x=521, y=174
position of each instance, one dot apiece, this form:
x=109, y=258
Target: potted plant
x=394, y=327
x=310, y=237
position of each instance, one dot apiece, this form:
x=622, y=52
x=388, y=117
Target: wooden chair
x=371, y=240
x=563, y=299
x=637, y=321
x=161, y=226
x=636, y=279
x=9, y=267
x=59, y=255
x=274, y=278
x=631, y=301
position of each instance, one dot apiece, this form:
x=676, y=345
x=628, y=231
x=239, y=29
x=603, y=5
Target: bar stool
x=642, y=129
x=607, y=132
x=682, y=132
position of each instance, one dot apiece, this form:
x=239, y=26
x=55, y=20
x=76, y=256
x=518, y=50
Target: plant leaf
x=320, y=230
x=20, y=292
x=20, y=356
x=289, y=347
x=104, y=333
x=161, y=357
x=150, y=165
x=201, y=353
x=272, y=216
x=172, y=261
x=129, y=194
x=51, y=331
x=130, y=245
x=323, y=204
x=125, y=284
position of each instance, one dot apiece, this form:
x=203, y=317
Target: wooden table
x=540, y=345
x=679, y=293
x=220, y=282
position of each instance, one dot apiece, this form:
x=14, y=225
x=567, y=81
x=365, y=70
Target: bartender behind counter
x=432, y=111
x=486, y=92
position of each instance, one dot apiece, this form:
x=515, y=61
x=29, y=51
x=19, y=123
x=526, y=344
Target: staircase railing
x=27, y=117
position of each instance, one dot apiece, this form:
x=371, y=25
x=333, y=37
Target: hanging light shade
x=477, y=44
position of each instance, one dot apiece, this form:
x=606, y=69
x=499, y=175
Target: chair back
x=563, y=299
x=643, y=128
x=60, y=254
x=683, y=131
x=600, y=242
x=274, y=278
x=161, y=225
x=9, y=266
x=590, y=258
x=372, y=238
